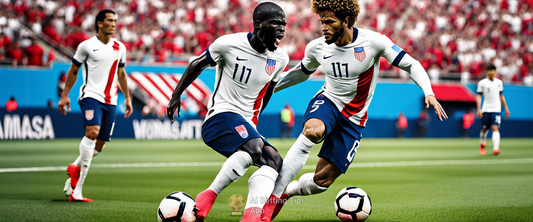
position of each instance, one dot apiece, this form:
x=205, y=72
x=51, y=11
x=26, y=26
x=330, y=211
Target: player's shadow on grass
x=60, y=200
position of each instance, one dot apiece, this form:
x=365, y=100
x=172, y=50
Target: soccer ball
x=176, y=206
x=353, y=204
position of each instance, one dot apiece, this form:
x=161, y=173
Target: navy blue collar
x=355, y=34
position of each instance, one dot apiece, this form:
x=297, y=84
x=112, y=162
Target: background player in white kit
x=338, y=114
x=491, y=89
x=103, y=59
x=248, y=67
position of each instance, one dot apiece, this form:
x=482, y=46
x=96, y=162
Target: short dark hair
x=100, y=17
x=491, y=67
x=341, y=8
x=263, y=9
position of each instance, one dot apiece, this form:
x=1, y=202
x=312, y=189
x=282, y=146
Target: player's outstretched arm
x=441, y=114
x=191, y=73
x=72, y=75
x=292, y=77
x=123, y=84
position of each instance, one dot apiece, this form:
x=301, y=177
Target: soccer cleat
x=252, y=214
x=482, y=149
x=281, y=202
x=269, y=208
x=72, y=199
x=74, y=173
x=204, y=202
x=68, y=188
x=496, y=152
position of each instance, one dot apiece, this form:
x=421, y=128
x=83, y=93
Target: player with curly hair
x=337, y=115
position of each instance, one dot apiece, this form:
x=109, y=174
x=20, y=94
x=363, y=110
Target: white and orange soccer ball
x=352, y=204
x=176, y=206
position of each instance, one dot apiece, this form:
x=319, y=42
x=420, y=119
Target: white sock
x=293, y=163
x=496, y=139
x=77, y=161
x=260, y=186
x=96, y=152
x=304, y=186
x=234, y=168
x=483, y=137
x=86, y=156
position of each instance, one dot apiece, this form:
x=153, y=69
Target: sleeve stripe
x=76, y=62
x=209, y=58
x=398, y=58
x=305, y=70
x=121, y=65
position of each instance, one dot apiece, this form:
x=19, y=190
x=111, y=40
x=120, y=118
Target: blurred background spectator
x=458, y=38
x=423, y=123
x=11, y=104
x=401, y=125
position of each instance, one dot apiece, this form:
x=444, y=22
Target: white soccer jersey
x=491, y=95
x=242, y=75
x=99, y=63
x=352, y=70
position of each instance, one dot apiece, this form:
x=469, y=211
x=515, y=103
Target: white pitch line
x=210, y=164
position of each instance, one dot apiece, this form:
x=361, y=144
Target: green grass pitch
x=407, y=180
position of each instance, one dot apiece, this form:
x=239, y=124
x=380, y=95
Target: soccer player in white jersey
x=491, y=90
x=103, y=59
x=338, y=113
x=248, y=66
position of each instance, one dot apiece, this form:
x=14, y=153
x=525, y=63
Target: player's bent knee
x=312, y=133
x=91, y=132
x=323, y=180
x=271, y=158
x=254, y=148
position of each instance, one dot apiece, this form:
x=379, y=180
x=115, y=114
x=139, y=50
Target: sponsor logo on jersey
x=241, y=59
x=242, y=131
x=270, y=66
x=89, y=114
x=327, y=57
x=360, y=53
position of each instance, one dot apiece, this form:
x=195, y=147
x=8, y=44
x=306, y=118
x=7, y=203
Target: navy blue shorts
x=97, y=113
x=342, y=136
x=490, y=119
x=227, y=132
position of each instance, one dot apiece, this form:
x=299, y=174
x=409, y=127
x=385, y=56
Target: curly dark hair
x=341, y=8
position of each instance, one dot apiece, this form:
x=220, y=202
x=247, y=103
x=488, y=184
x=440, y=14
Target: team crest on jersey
x=270, y=66
x=360, y=53
x=89, y=114
x=242, y=131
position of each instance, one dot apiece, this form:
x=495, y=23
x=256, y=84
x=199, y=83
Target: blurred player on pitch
x=103, y=59
x=248, y=68
x=491, y=89
x=338, y=113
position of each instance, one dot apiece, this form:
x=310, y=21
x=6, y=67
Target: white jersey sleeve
x=216, y=50
x=123, y=58
x=309, y=63
x=399, y=58
x=81, y=54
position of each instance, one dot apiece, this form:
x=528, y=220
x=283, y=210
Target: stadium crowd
x=446, y=36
